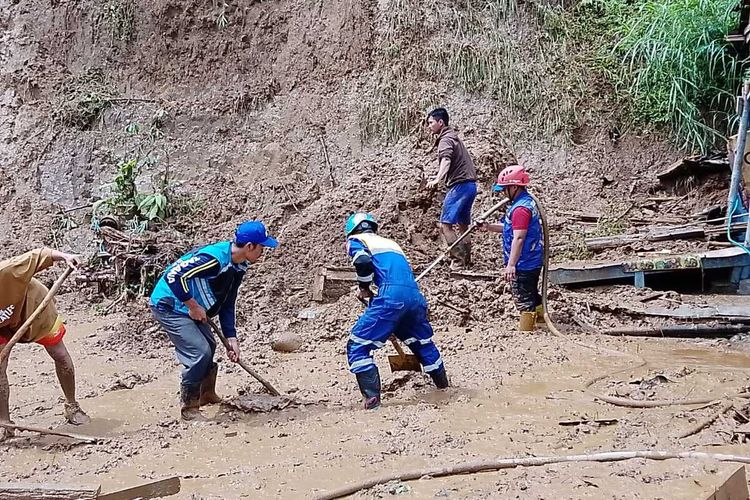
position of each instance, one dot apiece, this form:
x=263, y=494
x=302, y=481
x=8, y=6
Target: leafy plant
x=133, y=128
x=125, y=200
x=153, y=206
x=669, y=62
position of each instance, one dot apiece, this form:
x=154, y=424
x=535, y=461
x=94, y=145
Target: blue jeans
x=458, y=202
x=194, y=343
x=397, y=310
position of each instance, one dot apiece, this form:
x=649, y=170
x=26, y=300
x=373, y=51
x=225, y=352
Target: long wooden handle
x=53, y=432
x=244, y=365
x=397, y=346
x=27, y=324
x=494, y=208
x=392, y=338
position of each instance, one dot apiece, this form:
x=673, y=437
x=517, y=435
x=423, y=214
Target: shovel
x=494, y=208
x=402, y=362
x=270, y=388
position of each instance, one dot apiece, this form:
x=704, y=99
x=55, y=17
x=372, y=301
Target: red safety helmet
x=514, y=175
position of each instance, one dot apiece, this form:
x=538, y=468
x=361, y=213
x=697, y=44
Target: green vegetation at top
x=670, y=64
x=656, y=63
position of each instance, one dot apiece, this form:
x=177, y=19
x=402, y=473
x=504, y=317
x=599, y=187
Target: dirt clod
x=287, y=342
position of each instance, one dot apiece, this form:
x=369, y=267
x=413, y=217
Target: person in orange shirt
x=20, y=295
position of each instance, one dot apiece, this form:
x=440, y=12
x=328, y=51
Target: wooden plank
x=571, y=273
x=664, y=233
x=319, y=283
x=27, y=491
x=340, y=274
x=671, y=170
x=679, y=331
x=734, y=488
x=474, y=275
x=693, y=165
x=156, y=489
x=691, y=311
x=563, y=276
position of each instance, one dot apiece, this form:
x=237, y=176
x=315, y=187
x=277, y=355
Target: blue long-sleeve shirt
x=201, y=276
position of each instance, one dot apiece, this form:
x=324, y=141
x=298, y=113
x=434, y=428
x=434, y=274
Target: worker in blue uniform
x=200, y=285
x=399, y=308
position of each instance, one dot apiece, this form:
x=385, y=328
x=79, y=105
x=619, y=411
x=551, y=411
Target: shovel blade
x=407, y=362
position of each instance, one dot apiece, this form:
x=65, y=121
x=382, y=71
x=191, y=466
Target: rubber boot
x=208, y=387
x=440, y=378
x=467, y=253
x=458, y=257
x=369, y=386
x=190, y=400
x=527, y=321
x=75, y=415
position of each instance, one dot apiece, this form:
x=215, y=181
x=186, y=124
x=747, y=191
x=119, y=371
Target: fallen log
x=512, y=463
x=679, y=331
x=21, y=491
x=660, y=234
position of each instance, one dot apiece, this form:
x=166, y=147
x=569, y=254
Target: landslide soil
x=245, y=115
x=510, y=392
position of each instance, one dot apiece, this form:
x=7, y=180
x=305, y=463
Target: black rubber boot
x=369, y=386
x=190, y=400
x=440, y=378
x=208, y=387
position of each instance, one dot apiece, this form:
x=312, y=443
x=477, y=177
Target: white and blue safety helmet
x=354, y=220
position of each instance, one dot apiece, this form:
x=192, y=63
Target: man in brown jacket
x=20, y=294
x=457, y=168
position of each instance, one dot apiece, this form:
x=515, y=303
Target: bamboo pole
x=27, y=324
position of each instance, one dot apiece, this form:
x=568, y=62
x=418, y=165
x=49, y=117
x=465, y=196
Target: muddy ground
x=510, y=392
x=264, y=118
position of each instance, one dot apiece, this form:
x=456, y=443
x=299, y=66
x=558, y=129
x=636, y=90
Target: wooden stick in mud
x=706, y=422
x=27, y=324
x=52, y=432
x=328, y=160
x=244, y=365
x=511, y=463
x=655, y=403
x=36, y=491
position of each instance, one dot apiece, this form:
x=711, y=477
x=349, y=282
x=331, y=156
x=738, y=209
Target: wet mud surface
x=511, y=392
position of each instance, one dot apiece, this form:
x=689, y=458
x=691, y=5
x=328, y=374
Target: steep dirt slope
x=242, y=116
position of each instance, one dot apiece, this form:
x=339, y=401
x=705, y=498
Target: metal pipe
x=739, y=154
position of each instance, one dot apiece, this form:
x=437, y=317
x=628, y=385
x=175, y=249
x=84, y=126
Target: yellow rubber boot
x=527, y=321
x=540, y=315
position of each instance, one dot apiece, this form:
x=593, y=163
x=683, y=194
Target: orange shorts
x=51, y=340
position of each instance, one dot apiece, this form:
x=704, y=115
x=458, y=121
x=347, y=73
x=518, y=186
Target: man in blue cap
x=199, y=285
x=398, y=309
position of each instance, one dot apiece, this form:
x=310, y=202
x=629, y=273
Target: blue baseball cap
x=254, y=231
